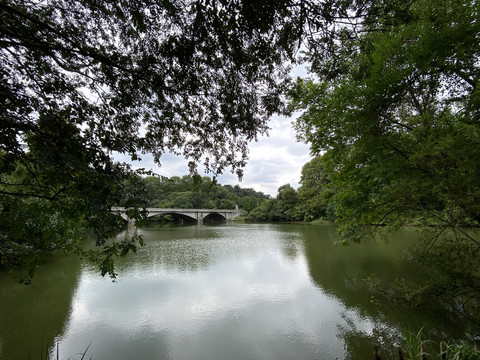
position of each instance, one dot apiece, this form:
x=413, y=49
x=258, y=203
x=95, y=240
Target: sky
x=274, y=160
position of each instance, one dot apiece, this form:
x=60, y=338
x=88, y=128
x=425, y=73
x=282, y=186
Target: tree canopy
x=394, y=110
x=195, y=192
x=82, y=80
x=312, y=201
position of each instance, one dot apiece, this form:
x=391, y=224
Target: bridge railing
x=122, y=209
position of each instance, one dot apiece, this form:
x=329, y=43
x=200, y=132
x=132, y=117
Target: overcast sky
x=274, y=160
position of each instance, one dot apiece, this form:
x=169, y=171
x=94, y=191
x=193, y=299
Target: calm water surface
x=234, y=291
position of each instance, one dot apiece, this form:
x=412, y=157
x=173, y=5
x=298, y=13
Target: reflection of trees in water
x=33, y=316
x=292, y=244
x=40, y=312
x=359, y=344
x=187, y=248
x=195, y=247
x=291, y=248
x=354, y=274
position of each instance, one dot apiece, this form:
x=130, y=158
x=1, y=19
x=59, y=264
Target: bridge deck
x=195, y=214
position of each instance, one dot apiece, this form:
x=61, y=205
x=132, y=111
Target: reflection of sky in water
x=204, y=295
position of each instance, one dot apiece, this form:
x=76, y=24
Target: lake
x=229, y=291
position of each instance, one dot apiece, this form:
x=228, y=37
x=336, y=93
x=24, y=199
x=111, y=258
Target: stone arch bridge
x=194, y=214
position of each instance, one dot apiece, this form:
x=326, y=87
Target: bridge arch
x=214, y=217
x=175, y=215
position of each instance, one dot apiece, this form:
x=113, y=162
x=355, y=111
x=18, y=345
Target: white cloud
x=274, y=160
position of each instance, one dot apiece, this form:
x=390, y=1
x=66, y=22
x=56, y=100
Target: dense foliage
x=81, y=80
x=394, y=108
x=392, y=112
x=312, y=200
x=195, y=192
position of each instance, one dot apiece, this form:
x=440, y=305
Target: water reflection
x=31, y=317
x=234, y=291
x=347, y=273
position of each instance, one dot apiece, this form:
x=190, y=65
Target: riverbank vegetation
x=311, y=202
x=195, y=192
x=416, y=346
x=391, y=111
